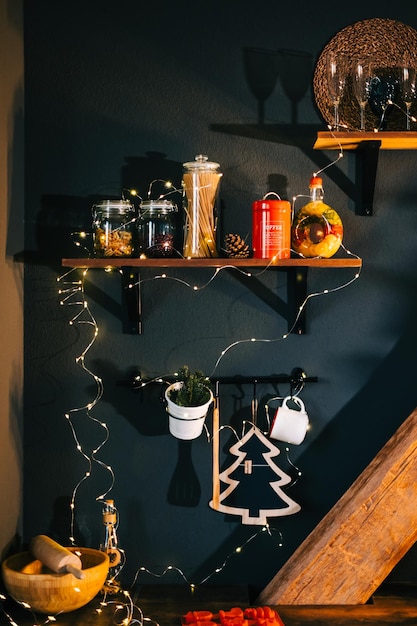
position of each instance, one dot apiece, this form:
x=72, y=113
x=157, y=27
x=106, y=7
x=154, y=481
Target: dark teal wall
x=108, y=84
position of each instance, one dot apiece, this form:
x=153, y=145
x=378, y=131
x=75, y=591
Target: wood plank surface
x=109, y=262
x=331, y=140
x=163, y=605
x=347, y=615
x=356, y=545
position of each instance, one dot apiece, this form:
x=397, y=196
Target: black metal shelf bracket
x=367, y=154
x=131, y=296
x=292, y=310
x=361, y=191
x=132, y=321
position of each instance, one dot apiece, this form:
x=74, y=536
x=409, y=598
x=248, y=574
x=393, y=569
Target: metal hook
x=297, y=381
x=254, y=405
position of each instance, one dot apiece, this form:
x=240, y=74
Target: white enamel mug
x=290, y=424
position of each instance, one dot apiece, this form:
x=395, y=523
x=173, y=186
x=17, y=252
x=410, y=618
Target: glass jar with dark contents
x=158, y=232
x=114, y=229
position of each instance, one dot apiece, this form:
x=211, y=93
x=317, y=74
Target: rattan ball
x=387, y=42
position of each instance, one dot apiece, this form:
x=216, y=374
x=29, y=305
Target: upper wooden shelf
x=287, y=134
x=365, y=145
x=209, y=262
x=302, y=134
x=390, y=140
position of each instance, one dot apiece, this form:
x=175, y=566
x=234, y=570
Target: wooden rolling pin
x=59, y=559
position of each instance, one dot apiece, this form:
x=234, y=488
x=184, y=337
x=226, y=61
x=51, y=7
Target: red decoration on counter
x=252, y=616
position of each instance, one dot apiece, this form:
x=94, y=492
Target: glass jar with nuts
x=114, y=229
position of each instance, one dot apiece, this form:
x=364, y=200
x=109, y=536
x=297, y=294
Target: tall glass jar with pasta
x=201, y=179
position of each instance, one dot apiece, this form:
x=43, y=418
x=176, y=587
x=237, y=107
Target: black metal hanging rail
x=297, y=379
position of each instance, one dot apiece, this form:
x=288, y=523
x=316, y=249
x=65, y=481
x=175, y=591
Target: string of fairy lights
x=390, y=103
x=72, y=294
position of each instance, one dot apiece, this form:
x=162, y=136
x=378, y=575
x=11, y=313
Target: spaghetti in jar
x=201, y=179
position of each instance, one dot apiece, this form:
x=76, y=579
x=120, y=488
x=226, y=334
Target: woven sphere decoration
x=387, y=42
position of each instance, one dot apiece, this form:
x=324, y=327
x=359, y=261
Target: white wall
x=11, y=272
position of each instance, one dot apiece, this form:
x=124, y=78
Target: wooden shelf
x=365, y=144
x=210, y=262
x=300, y=135
x=296, y=270
x=390, y=140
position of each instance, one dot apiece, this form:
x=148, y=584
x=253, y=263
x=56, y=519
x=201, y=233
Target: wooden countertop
x=165, y=604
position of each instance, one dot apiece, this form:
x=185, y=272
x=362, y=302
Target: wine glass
x=383, y=92
x=295, y=72
x=336, y=70
x=261, y=71
x=361, y=79
x=408, y=80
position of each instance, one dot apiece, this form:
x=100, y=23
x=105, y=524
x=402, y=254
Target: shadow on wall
x=64, y=223
x=329, y=465
x=335, y=459
x=184, y=487
x=263, y=68
x=61, y=218
x=184, y=490
x=62, y=519
x=59, y=223
x=139, y=172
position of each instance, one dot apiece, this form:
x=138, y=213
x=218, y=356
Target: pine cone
x=236, y=247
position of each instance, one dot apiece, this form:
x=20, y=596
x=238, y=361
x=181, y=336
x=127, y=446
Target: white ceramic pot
x=186, y=422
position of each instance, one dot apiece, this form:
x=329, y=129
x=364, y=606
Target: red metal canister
x=271, y=228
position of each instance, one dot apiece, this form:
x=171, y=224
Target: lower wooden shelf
x=209, y=262
x=296, y=270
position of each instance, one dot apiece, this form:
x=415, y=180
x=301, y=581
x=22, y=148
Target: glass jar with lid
x=114, y=229
x=200, y=181
x=158, y=231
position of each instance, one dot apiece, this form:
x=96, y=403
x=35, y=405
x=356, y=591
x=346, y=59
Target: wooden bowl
x=29, y=581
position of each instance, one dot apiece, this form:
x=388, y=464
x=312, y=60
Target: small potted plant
x=188, y=401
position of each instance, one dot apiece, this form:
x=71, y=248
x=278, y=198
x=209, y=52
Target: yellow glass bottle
x=317, y=230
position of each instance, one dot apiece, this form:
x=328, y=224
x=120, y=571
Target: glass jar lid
x=114, y=207
x=157, y=207
x=201, y=163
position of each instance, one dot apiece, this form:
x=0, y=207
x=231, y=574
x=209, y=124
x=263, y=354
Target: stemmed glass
x=361, y=79
x=261, y=71
x=383, y=91
x=336, y=70
x=408, y=80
